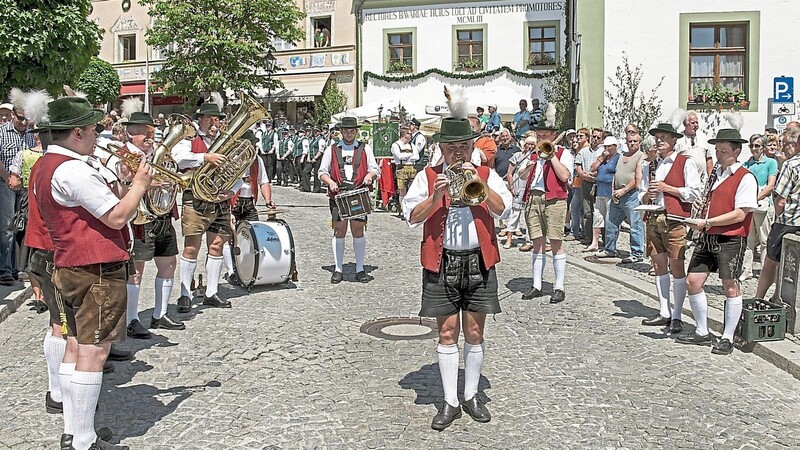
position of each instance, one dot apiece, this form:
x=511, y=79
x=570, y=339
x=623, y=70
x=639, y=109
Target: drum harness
x=358, y=153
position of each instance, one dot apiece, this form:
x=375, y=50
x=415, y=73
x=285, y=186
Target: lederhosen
x=218, y=212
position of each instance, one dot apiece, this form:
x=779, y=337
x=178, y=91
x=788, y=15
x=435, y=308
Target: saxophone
x=209, y=181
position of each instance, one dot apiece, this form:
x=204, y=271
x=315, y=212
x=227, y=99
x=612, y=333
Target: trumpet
x=547, y=149
x=464, y=186
x=131, y=160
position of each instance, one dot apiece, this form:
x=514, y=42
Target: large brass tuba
x=209, y=180
x=159, y=201
x=464, y=185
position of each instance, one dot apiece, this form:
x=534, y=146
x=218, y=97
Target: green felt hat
x=728, y=135
x=665, y=128
x=140, y=118
x=348, y=122
x=70, y=112
x=455, y=130
x=208, y=109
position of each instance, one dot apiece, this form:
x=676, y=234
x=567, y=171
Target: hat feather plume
x=17, y=97
x=35, y=106
x=216, y=98
x=131, y=105
x=457, y=103
x=734, y=119
x=677, y=118
x=550, y=115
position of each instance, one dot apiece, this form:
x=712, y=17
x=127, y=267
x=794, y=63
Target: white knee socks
x=662, y=289
x=163, y=292
x=448, y=369
x=360, y=249
x=338, y=252
x=187, y=267
x=560, y=268
x=65, y=372
x=679, y=292
x=473, y=360
x=733, y=310
x=213, y=271
x=227, y=257
x=538, y=261
x=133, y=302
x=86, y=391
x=54, y=348
x=699, y=305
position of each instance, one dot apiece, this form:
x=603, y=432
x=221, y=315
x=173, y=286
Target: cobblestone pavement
x=288, y=368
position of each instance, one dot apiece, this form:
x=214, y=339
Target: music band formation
x=99, y=210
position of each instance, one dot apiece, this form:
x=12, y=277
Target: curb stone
x=13, y=301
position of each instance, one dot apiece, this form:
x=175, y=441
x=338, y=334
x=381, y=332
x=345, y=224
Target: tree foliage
x=627, y=101
x=333, y=101
x=211, y=45
x=45, y=43
x=556, y=89
x=100, y=82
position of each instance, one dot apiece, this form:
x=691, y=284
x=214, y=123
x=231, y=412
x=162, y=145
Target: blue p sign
x=783, y=90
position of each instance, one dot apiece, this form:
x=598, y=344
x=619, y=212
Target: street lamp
x=271, y=61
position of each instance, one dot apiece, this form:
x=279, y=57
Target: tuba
x=464, y=185
x=209, y=180
x=159, y=201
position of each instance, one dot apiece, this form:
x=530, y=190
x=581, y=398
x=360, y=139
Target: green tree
x=211, y=45
x=627, y=101
x=100, y=82
x=556, y=88
x=46, y=43
x=333, y=101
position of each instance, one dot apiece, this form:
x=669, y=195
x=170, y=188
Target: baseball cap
x=610, y=141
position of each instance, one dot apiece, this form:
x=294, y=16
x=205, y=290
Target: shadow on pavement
x=630, y=309
x=523, y=285
x=427, y=383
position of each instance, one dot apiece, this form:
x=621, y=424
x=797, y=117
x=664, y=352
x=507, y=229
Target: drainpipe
x=358, y=74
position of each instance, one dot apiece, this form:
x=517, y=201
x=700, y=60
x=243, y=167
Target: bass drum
x=264, y=253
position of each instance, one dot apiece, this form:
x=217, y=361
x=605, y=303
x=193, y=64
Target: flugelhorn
x=463, y=185
x=132, y=160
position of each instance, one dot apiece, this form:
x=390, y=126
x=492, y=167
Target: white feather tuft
x=550, y=115
x=131, y=105
x=17, y=98
x=35, y=106
x=677, y=117
x=216, y=98
x=457, y=103
x=734, y=119
x=80, y=94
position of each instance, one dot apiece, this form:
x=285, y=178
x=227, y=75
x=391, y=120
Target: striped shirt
x=788, y=187
x=12, y=142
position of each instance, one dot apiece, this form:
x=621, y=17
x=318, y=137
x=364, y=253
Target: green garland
x=457, y=76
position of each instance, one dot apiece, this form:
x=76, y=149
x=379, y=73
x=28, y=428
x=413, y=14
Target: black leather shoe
x=558, y=296
x=137, y=331
x=108, y=367
x=116, y=354
x=722, y=347
x=533, y=293
x=167, y=323
x=100, y=444
x=103, y=433
x=233, y=279
x=52, y=406
x=184, y=304
x=362, y=277
x=216, y=302
x=445, y=416
x=675, y=327
x=657, y=320
x=336, y=278
x=695, y=339
x=476, y=410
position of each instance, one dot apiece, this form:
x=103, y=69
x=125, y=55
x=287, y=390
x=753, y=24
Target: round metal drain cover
x=401, y=328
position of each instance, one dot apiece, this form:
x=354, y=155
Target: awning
x=132, y=89
x=299, y=88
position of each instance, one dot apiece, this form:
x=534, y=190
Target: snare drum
x=354, y=204
x=264, y=253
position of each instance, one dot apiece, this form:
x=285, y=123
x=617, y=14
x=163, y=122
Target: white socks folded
x=473, y=360
x=338, y=252
x=227, y=257
x=733, y=310
x=187, y=268
x=54, y=348
x=662, y=289
x=699, y=305
x=86, y=391
x=448, y=370
x=65, y=373
x=360, y=249
x=133, y=302
x=679, y=292
x=163, y=292
x=213, y=271
x=538, y=260
x=560, y=268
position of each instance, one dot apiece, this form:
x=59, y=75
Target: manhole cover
x=401, y=328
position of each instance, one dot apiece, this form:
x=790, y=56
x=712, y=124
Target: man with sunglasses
x=15, y=135
x=765, y=170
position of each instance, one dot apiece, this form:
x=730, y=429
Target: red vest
x=361, y=172
x=199, y=145
x=673, y=204
x=553, y=187
x=723, y=200
x=433, y=229
x=253, y=183
x=36, y=234
x=79, y=238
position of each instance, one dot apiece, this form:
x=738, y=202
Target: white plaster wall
x=649, y=34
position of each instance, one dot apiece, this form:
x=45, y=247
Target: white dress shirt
x=693, y=185
x=76, y=183
x=538, y=177
x=347, y=154
x=746, y=194
x=182, y=152
x=246, y=191
x=459, y=230
x=697, y=149
x=404, y=153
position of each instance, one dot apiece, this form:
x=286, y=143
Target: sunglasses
x=580, y=136
x=597, y=137
x=756, y=145
x=20, y=118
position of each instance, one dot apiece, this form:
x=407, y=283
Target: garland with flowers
x=455, y=75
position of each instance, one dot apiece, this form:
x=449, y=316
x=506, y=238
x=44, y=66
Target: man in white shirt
x=305, y=165
x=694, y=145
x=418, y=143
x=405, y=156
x=459, y=253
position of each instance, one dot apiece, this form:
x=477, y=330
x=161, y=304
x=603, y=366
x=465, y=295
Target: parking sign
x=783, y=90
